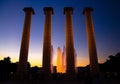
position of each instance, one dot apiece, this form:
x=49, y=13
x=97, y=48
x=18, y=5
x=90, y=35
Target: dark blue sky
x=106, y=19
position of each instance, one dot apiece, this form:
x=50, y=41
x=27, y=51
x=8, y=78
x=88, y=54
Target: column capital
x=48, y=9
x=66, y=9
x=28, y=9
x=87, y=9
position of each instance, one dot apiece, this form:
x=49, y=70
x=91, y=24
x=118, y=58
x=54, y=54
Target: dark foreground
x=58, y=82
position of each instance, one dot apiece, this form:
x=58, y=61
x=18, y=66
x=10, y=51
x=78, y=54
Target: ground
x=57, y=82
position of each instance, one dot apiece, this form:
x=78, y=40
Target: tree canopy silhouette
x=112, y=64
x=7, y=68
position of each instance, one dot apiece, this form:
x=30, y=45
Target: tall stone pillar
x=48, y=11
x=70, y=62
x=51, y=61
x=94, y=69
x=22, y=65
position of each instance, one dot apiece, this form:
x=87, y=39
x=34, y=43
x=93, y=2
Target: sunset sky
x=106, y=19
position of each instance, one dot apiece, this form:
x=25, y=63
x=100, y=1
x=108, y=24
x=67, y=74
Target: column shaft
x=70, y=62
x=47, y=42
x=22, y=66
x=94, y=69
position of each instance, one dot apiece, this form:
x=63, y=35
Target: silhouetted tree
x=113, y=63
x=7, y=69
x=111, y=67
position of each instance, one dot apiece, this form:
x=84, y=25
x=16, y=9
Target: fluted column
x=70, y=62
x=48, y=11
x=22, y=65
x=94, y=69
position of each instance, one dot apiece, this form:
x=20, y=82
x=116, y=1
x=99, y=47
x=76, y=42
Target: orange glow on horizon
x=35, y=59
x=79, y=63
x=82, y=62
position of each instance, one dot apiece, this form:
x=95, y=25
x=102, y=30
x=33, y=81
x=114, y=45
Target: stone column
x=22, y=65
x=94, y=69
x=51, y=60
x=70, y=62
x=48, y=11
